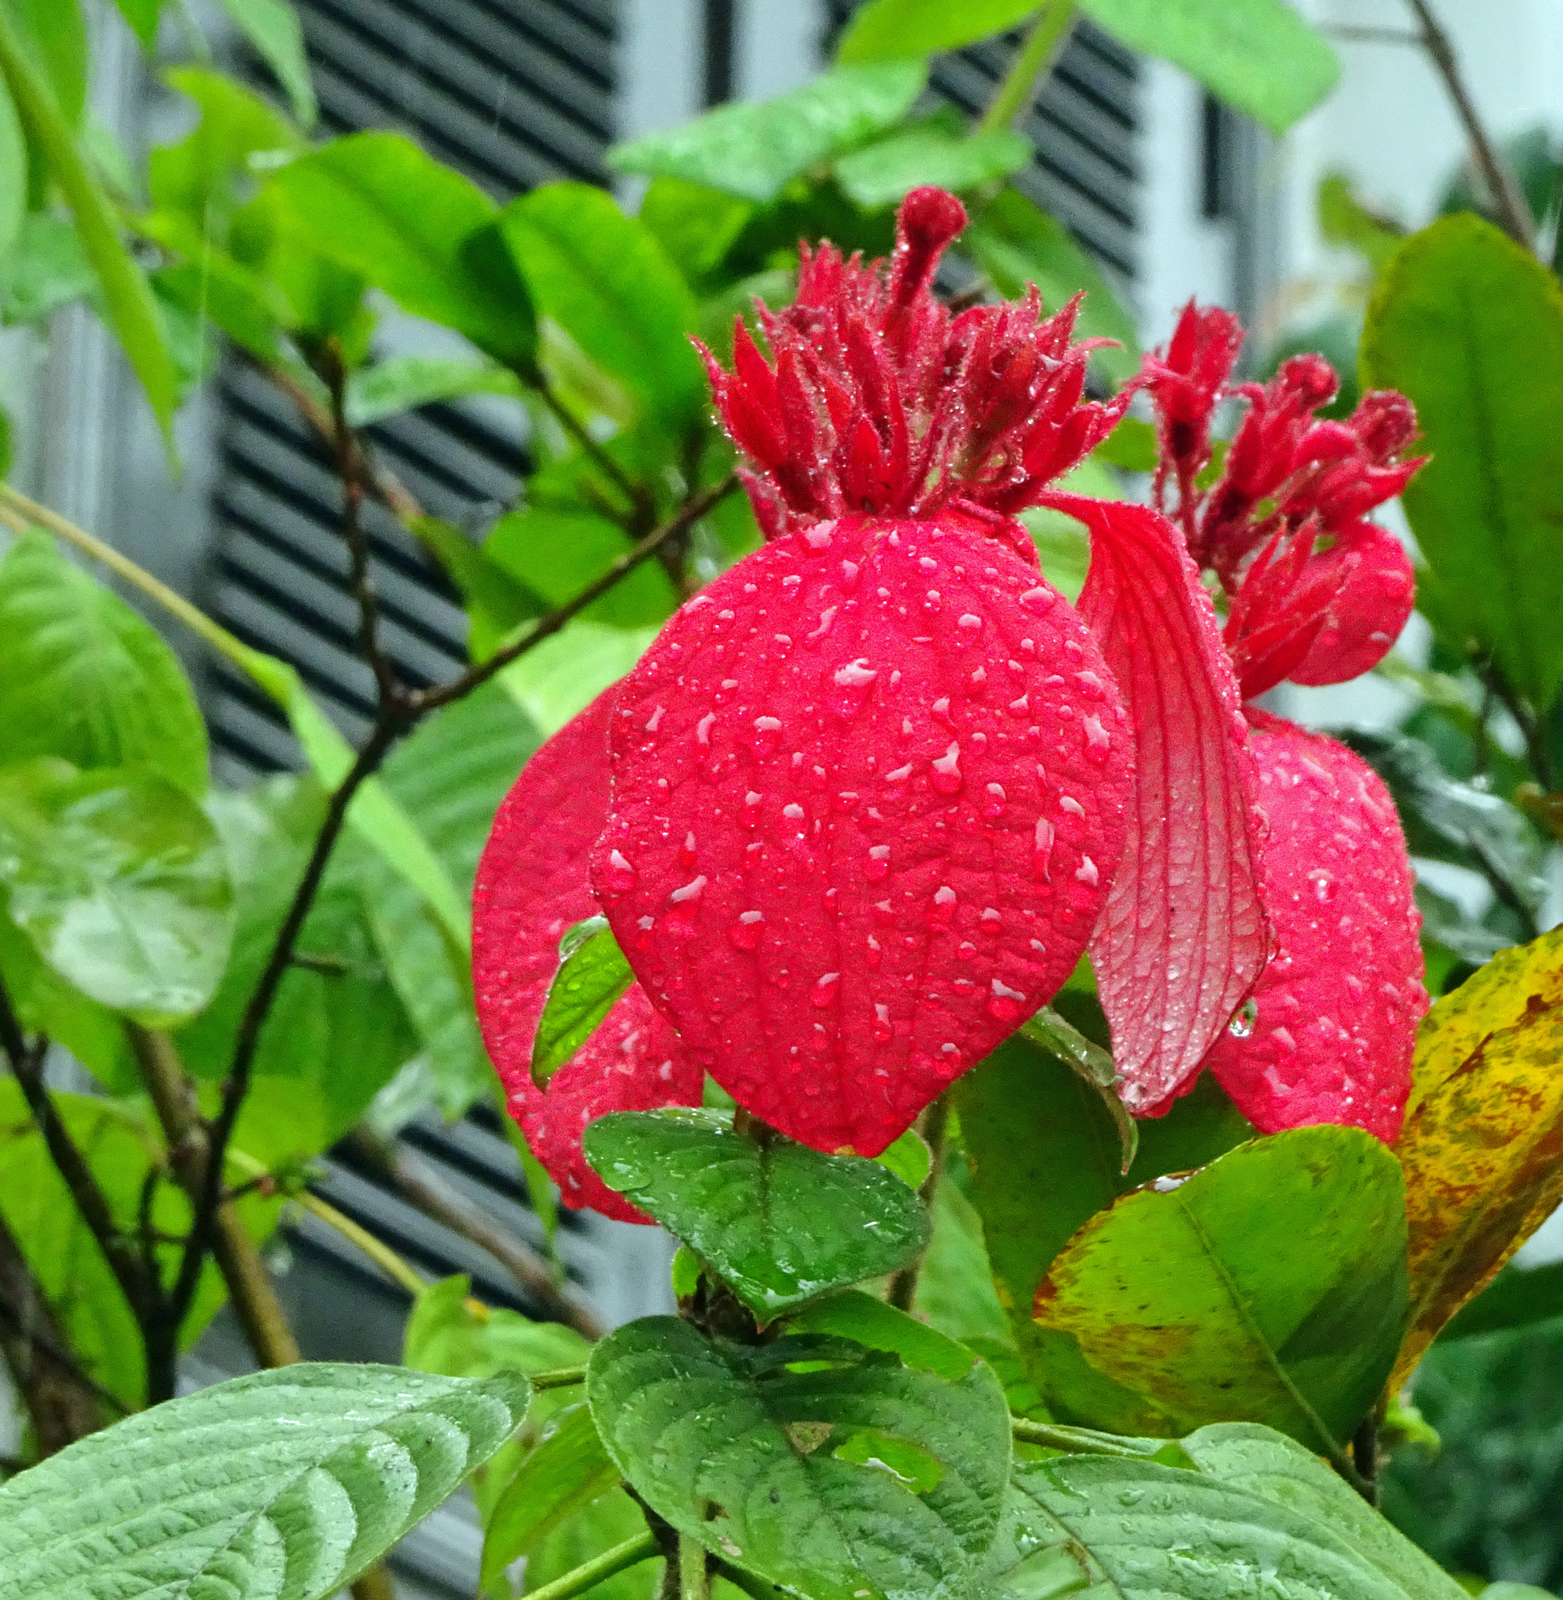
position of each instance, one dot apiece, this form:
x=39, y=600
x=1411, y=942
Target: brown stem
x=1507, y=196
x=62, y=1402
x=936, y=1122
x=250, y=1288
x=438, y=1200
x=421, y=700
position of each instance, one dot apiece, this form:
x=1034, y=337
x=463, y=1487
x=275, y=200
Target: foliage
x=1093, y=1326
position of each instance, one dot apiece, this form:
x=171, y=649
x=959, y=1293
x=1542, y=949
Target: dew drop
x=947, y=771
x=619, y=875
x=941, y=910
x=824, y=990
x=703, y=727
x=1005, y=1004
x=689, y=892
x=991, y=921
x=1097, y=739
x=1040, y=600
x=876, y=952
x=1324, y=885
x=818, y=537
x=826, y=617
x=969, y=622
x=993, y=806
x=878, y=863
x=654, y=720
x=1042, y=851
x=1242, y=1024
x=845, y=801
x=856, y=674
x=745, y=932
x=686, y=851
x=1086, y=872
x=793, y=812
x=882, y=1031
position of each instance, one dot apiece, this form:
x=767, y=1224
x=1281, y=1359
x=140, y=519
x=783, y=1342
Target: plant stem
x=383, y=1256
x=1077, y=1441
x=1507, y=196
x=1020, y=86
x=621, y=1556
x=694, y=1571
x=557, y=1377
x=936, y=1122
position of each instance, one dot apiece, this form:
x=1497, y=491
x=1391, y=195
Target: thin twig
x=590, y=1573
x=1506, y=194
x=421, y=700
x=633, y=492
x=383, y=1256
x=1018, y=89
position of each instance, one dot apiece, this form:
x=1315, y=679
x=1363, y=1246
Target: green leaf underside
x=119, y=881
x=1259, y=1515
x=777, y=1222
x=852, y=1476
x=1258, y=55
x=280, y=1484
x=754, y=151
x=592, y=974
x=1269, y=1286
x=1470, y=326
x=83, y=677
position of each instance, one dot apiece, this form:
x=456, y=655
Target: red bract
x=531, y=886
x=1334, y=1018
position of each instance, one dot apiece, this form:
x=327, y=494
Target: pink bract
x=531, y=886
x=868, y=792
x=1338, y=1005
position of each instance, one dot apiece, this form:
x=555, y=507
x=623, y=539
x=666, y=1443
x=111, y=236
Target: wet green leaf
x=1470, y=326
x=852, y=1314
x=119, y=881
x=777, y=1222
x=883, y=173
x=403, y=383
x=754, y=151
x=740, y=1447
x=885, y=30
x=83, y=677
x=592, y=974
x=272, y=27
x=447, y=1332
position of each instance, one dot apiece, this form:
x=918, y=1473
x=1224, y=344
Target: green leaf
x=564, y=674
x=1258, y=1504
x=567, y=1472
x=45, y=269
x=143, y=17
x=398, y=218
x=695, y=226
x=756, y=1453
x=83, y=677
x=272, y=27
x=852, y=1314
x=600, y=1526
x=592, y=974
x=883, y=173
x=1090, y=1062
x=119, y=881
x=1016, y=243
x=754, y=151
x=1470, y=326
x=1516, y=1298
x=451, y=1334
x=1269, y=1286
x=1344, y=220
x=603, y=277
x=1258, y=55
x=909, y=1158
x=884, y=30
x=555, y=554
x=955, y=1292
x=131, y=310
x=403, y=383
x=778, y=1222
x=13, y=175
x=288, y=1482
x=54, y=32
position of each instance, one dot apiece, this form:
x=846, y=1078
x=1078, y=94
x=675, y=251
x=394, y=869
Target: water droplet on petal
x=882, y=1031
x=619, y=875
x=1042, y=852
x=941, y=911
x=1040, y=599
x=969, y=622
x=1005, y=1004
x=686, y=851
x=1086, y=872
x=993, y=806
x=689, y=892
x=703, y=727
x=1242, y=1024
x=745, y=932
x=947, y=771
x=824, y=990
x=878, y=863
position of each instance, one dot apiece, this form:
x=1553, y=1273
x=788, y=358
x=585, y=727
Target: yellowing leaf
x=1483, y=1142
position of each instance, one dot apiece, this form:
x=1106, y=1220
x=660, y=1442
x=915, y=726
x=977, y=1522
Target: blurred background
x=1171, y=193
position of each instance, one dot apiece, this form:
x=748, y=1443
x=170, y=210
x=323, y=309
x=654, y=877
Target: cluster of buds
x=870, y=795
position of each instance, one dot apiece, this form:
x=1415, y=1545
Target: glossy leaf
x=449, y=1333
x=403, y=383
x=566, y=1472
x=1016, y=243
x=1091, y=1062
x=884, y=30
x=286, y=1483
x=1258, y=1503
x=1269, y=1286
x=885, y=172
x=592, y=975
x=754, y=151
x=379, y=205
x=955, y=1292
x=777, y=1222
x=1470, y=327
x=738, y=1448
x=602, y=276
x=695, y=226
x=1258, y=55
x=131, y=310
x=1482, y=1134
x=852, y=1314
x=272, y=28
x=119, y=881
x=83, y=677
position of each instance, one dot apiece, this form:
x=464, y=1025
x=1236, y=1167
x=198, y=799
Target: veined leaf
x=447, y=1334
x=119, y=881
x=758, y=1453
x=592, y=975
x=1269, y=1286
x=1470, y=327
x=754, y=151
x=83, y=677
x=778, y=1222
x=283, y=1483
x=1483, y=1131
x=1257, y=55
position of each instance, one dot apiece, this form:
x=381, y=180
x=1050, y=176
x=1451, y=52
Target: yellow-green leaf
x=1483, y=1142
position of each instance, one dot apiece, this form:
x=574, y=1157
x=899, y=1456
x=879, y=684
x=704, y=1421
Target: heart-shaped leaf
x=777, y=1222
x=282, y=1485
x=825, y=1467
x=118, y=878
x=1270, y=1286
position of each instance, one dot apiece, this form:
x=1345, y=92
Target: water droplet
x=824, y=990
x=619, y=875
x=928, y=564
x=689, y=892
x=1097, y=739
x=1041, y=599
x=878, y=863
x=1067, y=802
x=703, y=727
x=826, y=617
x=1005, y=1004
x=845, y=800
x=875, y=951
x=856, y=674
x=967, y=951
x=947, y=771
x=977, y=682
x=1242, y=1024
x=1086, y=872
x=969, y=622
x=1324, y=885
x=941, y=910
x=991, y=921
x=993, y=806
x=745, y=932
x=1019, y=707
x=818, y=537
x=654, y=720
x=882, y=1031
x=686, y=851
x=1042, y=851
